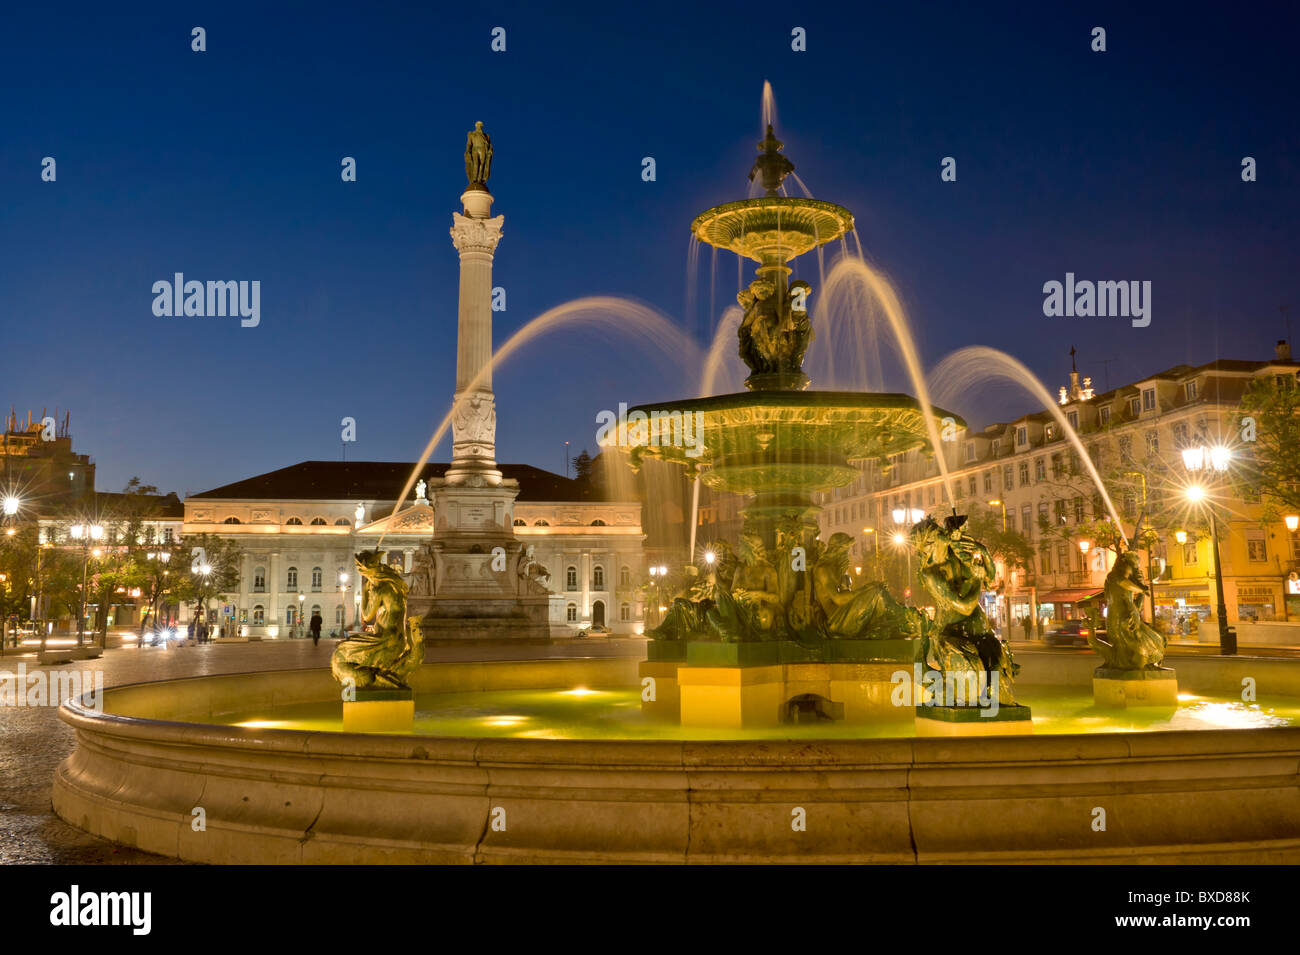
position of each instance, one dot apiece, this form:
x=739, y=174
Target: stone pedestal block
x=667, y=702
x=380, y=711
x=1126, y=689
x=973, y=721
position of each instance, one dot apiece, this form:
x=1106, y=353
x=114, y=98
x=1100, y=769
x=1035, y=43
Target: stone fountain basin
x=800, y=439
x=145, y=764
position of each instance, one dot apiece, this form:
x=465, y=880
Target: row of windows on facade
x=115, y=535
x=297, y=522
x=519, y=522
x=597, y=612
x=291, y=613
x=398, y=559
x=1058, y=463
x=1180, y=429
x=258, y=615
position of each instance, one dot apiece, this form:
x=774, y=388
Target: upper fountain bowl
x=772, y=228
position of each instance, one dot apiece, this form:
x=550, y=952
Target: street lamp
x=297, y=623
x=900, y=539
x=1292, y=521
x=343, y=602
x=1195, y=459
x=11, y=505
x=85, y=533
x=1001, y=504
x=1180, y=536
x=875, y=548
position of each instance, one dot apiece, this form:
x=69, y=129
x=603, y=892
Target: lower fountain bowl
x=154, y=770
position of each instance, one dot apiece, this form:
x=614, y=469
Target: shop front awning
x=1069, y=596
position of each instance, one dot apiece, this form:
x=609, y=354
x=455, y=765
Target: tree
x=213, y=569
x=1009, y=547
x=1269, y=426
x=582, y=466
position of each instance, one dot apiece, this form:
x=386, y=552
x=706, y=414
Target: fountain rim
x=846, y=400
x=843, y=216
x=76, y=713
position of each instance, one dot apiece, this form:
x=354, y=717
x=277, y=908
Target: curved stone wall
x=267, y=795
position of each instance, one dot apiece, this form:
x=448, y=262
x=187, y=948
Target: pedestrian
x=315, y=626
x=189, y=631
x=1027, y=622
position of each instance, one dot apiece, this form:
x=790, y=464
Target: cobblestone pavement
x=33, y=740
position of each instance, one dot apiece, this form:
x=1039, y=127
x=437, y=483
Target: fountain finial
x=770, y=164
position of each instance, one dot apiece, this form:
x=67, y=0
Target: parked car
x=1069, y=633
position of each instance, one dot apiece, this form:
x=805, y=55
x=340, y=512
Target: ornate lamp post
x=999, y=503
x=1195, y=460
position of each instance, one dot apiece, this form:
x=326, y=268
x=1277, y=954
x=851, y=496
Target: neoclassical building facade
x=298, y=528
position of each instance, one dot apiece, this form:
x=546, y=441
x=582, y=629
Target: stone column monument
x=477, y=590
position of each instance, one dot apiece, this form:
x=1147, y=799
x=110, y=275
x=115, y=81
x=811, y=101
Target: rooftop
x=383, y=481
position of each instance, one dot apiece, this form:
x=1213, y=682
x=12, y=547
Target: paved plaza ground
x=33, y=740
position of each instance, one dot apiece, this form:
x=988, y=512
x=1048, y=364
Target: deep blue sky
x=225, y=165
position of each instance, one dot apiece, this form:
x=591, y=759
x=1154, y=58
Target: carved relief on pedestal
x=475, y=235
x=474, y=426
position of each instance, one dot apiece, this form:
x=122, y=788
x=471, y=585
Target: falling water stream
x=595, y=311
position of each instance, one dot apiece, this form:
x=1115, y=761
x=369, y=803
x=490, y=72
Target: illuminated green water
x=616, y=714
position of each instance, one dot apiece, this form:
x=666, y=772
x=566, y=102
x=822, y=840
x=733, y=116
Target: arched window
x=294, y=521
x=598, y=523
x=259, y=580
x=338, y=616
x=598, y=578
x=571, y=613
x=315, y=609
x=318, y=522
x=316, y=575
x=343, y=522
x=571, y=578
x=259, y=615
x=520, y=522
x=625, y=612
x=625, y=576
x=598, y=613
x=541, y=523
x=232, y=520
x=291, y=579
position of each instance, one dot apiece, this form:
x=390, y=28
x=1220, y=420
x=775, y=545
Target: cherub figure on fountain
x=1130, y=642
x=955, y=569
x=865, y=612
x=750, y=608
x=774, y=335
x=391, y=646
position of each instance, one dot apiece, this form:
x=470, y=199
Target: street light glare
x=1195, y=493
x=11, y=505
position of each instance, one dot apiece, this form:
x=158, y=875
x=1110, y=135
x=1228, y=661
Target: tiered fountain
x=773, y=633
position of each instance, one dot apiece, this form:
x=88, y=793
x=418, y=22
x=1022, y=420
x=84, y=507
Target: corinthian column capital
x=469, y=234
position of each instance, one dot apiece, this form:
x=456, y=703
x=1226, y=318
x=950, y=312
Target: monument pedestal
x=380, y=711
x=1126, y=689
x=477, y=591
x=973, y=721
